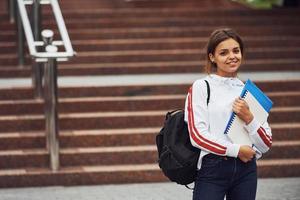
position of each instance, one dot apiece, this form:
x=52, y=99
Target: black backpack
x=176, y=156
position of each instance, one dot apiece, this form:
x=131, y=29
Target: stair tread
x=141, y=20
x=127, y=98
x=133, y=41
x=120, y=114
x=122, y=64
x=99, y=98
x=22, y=117
x=125, y=131
x=175, y=51
x=81, y=169
x=157, y=29
x=285, y=125
x=286, y=82
x=145, y=148
x=286, y=143
x=276, y=162
x=79, y=150
x=151, y=64
x=88, y=114
x=170, y=10
x=22, y=152
x=286, y=109
x=108, y=149
x=111, y=149
x=158, y=52
x=121, y=131
x=115, y=168
x=154, y=29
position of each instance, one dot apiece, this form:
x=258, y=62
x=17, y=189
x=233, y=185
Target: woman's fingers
x=241, y=108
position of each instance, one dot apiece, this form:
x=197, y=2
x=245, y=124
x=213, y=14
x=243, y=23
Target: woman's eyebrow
x=237, y=47
x=223, y=49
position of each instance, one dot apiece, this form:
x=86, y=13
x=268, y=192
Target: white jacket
x=207, y=123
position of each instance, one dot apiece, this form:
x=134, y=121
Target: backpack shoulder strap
x=208, y=92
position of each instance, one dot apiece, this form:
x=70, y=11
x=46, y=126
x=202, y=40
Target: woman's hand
x=241, y=108
x=246, y=153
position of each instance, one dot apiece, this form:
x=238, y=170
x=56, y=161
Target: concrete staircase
x=108, y=132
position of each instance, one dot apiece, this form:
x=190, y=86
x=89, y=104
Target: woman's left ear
x=211, y=57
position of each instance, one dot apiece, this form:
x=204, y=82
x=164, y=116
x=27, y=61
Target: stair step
x=139, y=154
x=91, y=175
x=104, y=120
x=136, y=90
x=121, y=103
x=115, y=137
x=173, y=12
x=287, y=114
x=11, y=159
x=279, y=168
x=160, y=32
x=109, y=137
x=83, y=175
x=144, y=66
x=283, y=149
x=152, y=4
x=81, y=138
x=252, y=53
x=148, y=154
x=167, y=12
x=79, y=156
x=91, y=104
x=161, y=67
x=22, y=140
x=161, y=43
x=285, y=131
x=170, y=22
x=154, y=21
x=109, y=155
x=169, y=43
x=158, y=55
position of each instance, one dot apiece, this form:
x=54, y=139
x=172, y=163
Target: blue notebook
x=260, y=106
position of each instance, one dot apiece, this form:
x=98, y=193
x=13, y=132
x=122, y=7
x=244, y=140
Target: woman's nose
x=231, y=55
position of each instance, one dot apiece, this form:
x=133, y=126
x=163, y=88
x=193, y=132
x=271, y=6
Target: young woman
x=224, y=168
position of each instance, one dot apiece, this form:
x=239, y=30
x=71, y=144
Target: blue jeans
x=225, y=176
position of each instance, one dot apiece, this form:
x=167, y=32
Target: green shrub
x=263, y=4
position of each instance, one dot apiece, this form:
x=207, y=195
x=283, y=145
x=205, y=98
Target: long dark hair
x=215, y=39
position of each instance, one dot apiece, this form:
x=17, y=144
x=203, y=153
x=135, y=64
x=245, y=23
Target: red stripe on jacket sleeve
x=197, y=137
x=265, y=137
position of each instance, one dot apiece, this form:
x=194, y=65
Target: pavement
x=268, y=189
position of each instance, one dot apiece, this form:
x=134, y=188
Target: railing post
x=47, y=36
x=12, y=10
x=20, y=40
x=37, y=68
x=36, y=19
x=51, y=108
x=50, y=96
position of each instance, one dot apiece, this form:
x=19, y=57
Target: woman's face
x=228, y=58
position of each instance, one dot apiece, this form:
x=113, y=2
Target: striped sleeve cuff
x=253, y=126
x=233, y=150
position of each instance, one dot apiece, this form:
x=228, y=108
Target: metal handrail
x=32, y=44
x=49, y=58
